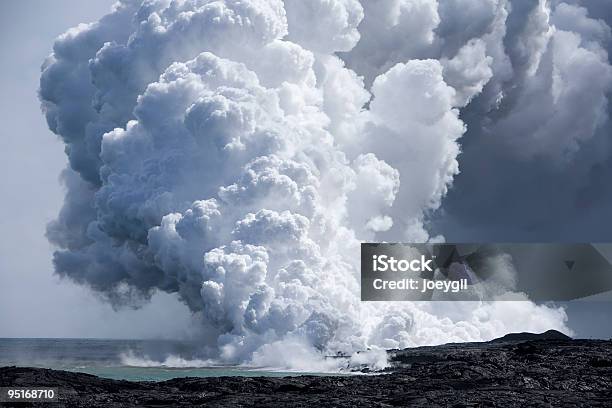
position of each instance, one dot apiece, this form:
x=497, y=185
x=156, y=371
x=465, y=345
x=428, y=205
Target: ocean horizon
x=125, y=359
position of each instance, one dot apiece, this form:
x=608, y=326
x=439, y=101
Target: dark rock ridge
x=547, y=370
x=547, y=335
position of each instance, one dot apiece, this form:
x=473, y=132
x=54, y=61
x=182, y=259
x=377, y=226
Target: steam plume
x=224, y=151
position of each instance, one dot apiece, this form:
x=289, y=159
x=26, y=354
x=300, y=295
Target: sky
x=34, y=302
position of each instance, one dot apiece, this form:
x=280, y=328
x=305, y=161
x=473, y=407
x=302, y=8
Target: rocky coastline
x=518, y=370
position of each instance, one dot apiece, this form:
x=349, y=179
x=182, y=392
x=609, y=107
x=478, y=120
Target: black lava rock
x=515, y=372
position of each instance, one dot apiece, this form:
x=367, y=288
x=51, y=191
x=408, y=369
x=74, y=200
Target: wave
x=130, y=359
x=290, y=362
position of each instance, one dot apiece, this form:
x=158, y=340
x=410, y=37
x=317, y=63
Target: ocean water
x=134, y=360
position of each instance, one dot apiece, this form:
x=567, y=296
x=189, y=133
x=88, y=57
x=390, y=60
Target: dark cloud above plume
x=537, y=167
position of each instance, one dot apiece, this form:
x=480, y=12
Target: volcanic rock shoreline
x=515, y=371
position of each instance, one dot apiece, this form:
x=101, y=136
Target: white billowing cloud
x=437, y=323
x=531, y=42
x=324, y=25
x=468, y=71
x=414, y=126
x=221, y=151
x=393, y=31
x=67, y=72
x=568, y=17
x=344, y=98
x=563, y=101
x=376, y=187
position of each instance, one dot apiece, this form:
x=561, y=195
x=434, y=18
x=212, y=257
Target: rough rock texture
x=547, y=335
x=509, y=373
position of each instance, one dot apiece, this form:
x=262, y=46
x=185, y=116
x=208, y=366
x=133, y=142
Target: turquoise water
x=134, y=360
x=161, y=374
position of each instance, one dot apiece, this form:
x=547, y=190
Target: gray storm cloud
x=237, y=152
x=536, y=154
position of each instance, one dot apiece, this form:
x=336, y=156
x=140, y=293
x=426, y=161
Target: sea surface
x=134, y=360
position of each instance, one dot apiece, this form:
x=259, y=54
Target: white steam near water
x=237, y=152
